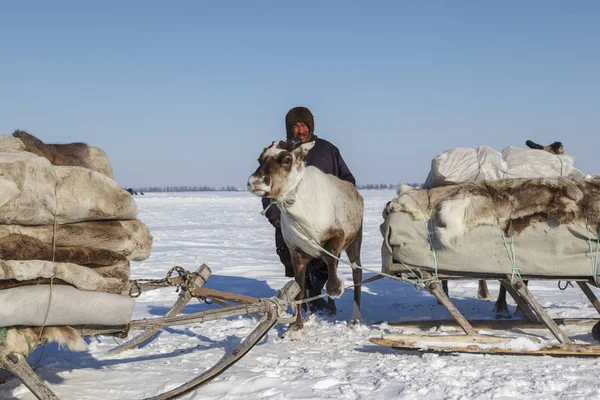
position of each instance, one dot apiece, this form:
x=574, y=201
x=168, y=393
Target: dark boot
x=284, y=253
x=316, y=277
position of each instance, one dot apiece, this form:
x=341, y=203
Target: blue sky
x=189, y=92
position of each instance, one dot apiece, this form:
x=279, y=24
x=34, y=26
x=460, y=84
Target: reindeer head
x=280, y=169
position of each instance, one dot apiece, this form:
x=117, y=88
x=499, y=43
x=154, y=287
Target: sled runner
x=191, y=285
x=506, y=230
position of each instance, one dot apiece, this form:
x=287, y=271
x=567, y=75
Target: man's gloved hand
x=276, y=223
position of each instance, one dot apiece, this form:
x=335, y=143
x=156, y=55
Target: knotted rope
x=510, y=251
x=187, y=282
x=417, y=282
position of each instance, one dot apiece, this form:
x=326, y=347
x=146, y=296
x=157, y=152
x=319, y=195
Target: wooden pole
x=522, y=289
x=590, y=295
x=522, y=304
x=577, y=350
x=492, y=324
x=436, y=289
x=225, y=296
x=200, y=277
x=451, y=338
x=17, y=365
x=289, y=291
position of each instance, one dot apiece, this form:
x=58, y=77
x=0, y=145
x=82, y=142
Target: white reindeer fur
x=320, y=204
x=313, y=205
x=455, y=210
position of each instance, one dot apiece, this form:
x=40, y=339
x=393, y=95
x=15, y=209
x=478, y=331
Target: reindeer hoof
x=502, y=314
x=294, y=332
x=331, y=309
x=519, y=313
x=356, y=317
x=334, y=289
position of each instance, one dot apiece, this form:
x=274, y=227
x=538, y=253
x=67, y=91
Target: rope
x=510, y=252
x=54, y=229
x=504, y=161
x=417, y=282
x=479, y=163
x=429, y=237
x=263, y=212
x=593, y=258
x=567, y=284
x=3, y=332
x=561, y=164
x=187, y=284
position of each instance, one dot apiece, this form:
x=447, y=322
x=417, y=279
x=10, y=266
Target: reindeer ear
x=305, y=148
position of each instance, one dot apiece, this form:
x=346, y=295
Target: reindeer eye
x=287, y=160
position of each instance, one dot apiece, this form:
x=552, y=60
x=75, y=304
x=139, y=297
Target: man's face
x=301, y=130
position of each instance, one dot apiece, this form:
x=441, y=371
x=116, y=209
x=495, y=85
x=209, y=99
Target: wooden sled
x=270, y=309
x=480, y=344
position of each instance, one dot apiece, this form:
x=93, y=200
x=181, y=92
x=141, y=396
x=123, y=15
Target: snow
x=333, y=360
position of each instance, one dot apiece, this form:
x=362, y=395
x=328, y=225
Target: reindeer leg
x=483, y=292
x=299, y=260
x=334, y=285
x=353, y=252
x=501, y=308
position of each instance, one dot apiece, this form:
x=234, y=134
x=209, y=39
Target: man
x=299, y=122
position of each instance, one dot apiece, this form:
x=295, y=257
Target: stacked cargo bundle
x=67, y=235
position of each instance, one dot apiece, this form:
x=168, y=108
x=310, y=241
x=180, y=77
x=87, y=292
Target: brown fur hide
x=70, y=154
x=512, y=203
x=25, y=340
x=22, y=247
x=130, y=238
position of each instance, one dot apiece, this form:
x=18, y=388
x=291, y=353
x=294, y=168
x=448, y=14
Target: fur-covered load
x=22, y=247
x=300, y=114
x=71, y=154
x=512, y=203
x=130, y=238
x=25, y=340
x=34, y=192
x=107, y=279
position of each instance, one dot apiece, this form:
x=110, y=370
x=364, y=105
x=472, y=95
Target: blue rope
x=511, y=252
x=593, y=258
x=429, y=237
x=3, y=335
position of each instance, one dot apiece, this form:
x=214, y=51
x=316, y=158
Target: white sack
x=27, y=305
x=484, y=163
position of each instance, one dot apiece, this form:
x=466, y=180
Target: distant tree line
x=190, y=188
x=371, y=186
x=231, y=188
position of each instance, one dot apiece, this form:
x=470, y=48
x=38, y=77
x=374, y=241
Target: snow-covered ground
x=227, y=232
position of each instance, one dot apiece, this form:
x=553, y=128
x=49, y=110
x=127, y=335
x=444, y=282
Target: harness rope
x=418, y=282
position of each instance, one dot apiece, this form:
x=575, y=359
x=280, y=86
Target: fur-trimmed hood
x=300, y=114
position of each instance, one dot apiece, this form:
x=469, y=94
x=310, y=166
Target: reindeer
x=318, y=212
